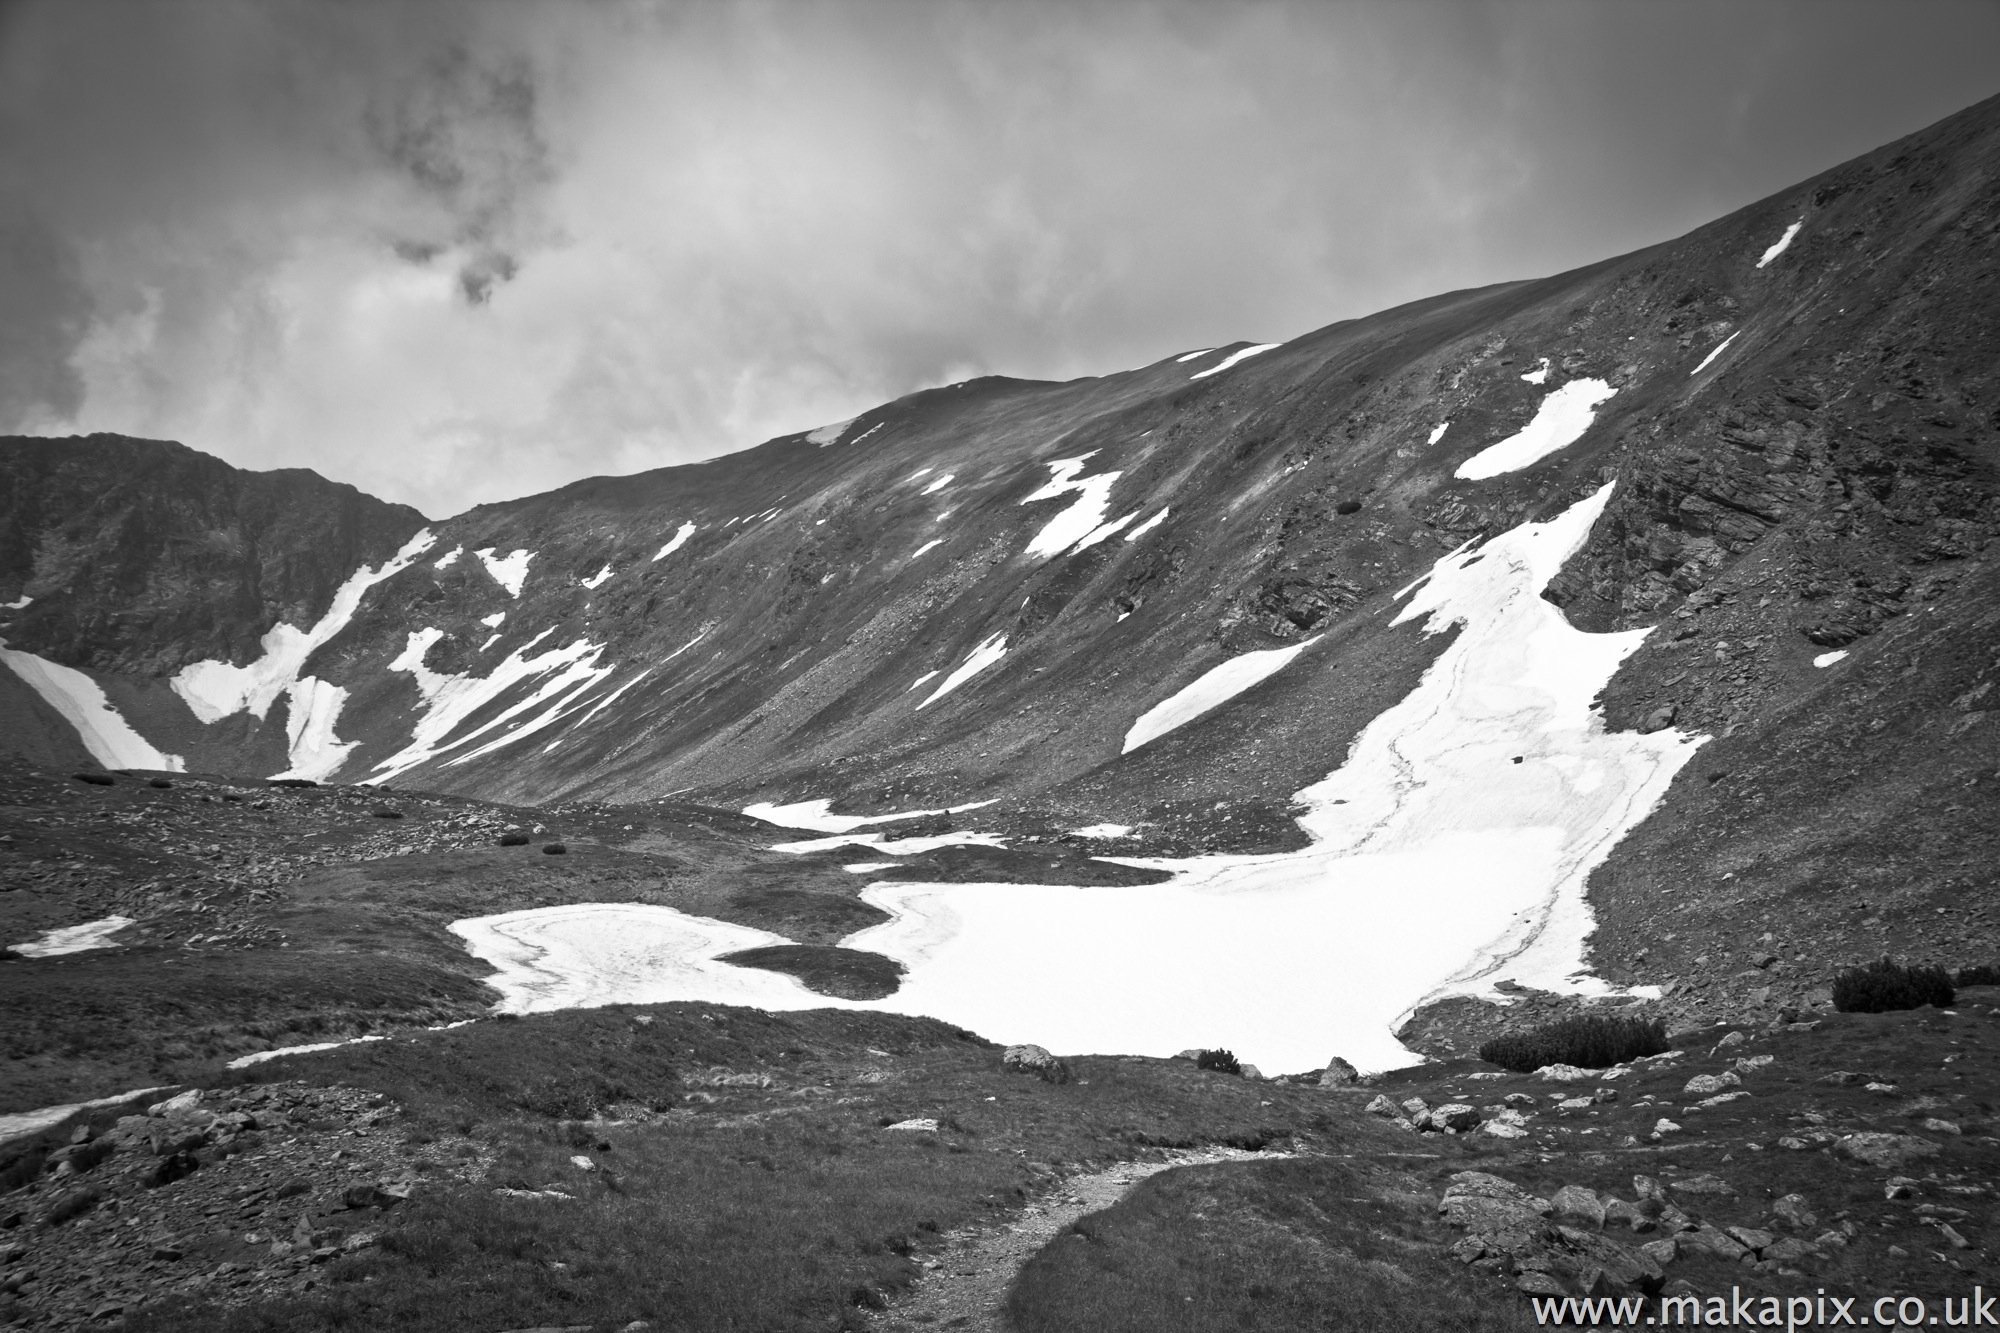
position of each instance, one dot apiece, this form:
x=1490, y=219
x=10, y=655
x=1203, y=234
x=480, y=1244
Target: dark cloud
x=464, y=249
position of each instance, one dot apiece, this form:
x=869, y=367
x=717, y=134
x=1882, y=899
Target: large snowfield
x=1449, y=852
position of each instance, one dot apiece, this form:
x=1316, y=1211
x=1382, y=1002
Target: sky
x=459, y=251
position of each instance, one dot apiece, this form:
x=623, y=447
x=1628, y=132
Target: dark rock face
x=143, y=556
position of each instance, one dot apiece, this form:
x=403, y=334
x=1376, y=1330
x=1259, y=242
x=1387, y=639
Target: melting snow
x=1540, y=374
x=1431, y=847
x=597, y=581
x=450, y=700
x=864, y=867
x=880, y=842
x=310, y=743
x=625, y=953
x=1210, y=690
x=493, y=621
x=826, y=435
x=1103, y=530
x=1232, y=359
x=1103, y=831
x=1146, y=527
x=450, y=558
x=937, y=485
x=1779, y=246
x=1713, y=354
x=918, y=681
x=680, y=540
x=819, y=817
x=1078, y=521
x=1559, y=422
x=215, y=690
x=1192, y=355
x=1828, y=659
x=18, y=1124
x=259, y=1057
x=509, y=572
x=74, y=939
x=926, y=546
x=102, y=728
x=1438, y=434
x=22, y=603
x=985, y=655
x=491, y=639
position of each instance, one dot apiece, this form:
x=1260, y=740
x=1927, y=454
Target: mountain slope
x=976, y=592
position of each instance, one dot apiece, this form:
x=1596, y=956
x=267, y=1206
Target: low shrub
x=386, y=812
x=1588, y=1041
x=1985, y=974
x=290, y=782
x=161, y=783
x=554, y=849
x=96, y=779
x=513, y=840
x=1223, y=1061
x=1883, y=985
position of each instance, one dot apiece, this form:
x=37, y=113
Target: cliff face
x=976, y=592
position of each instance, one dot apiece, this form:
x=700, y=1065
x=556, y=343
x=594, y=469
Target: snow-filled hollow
x=110, y=739
x=1067, y=530
x=509, y=571
x=980, y=658
x=1560, y=421
x=1209, y=691
x=1449, y=852
x=1234, y=358
x=679, y=540
x=1782, y=244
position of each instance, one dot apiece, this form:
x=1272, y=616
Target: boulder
x=1455, y=1116
x=1886, y=1151
x=1339, y=1074
x=1795, y=1210
x=1746, y=1063
x=1704, y=1183
x=186, y=1101
x=1707, y=1085
x=1482, y=1203
x=1662, y=1251
x=1753, y=1238
x=1580, y=1252
x=1710, y=1239
x=1249, y=1071
x=1646, y=1187
x=1034, y=1060
x=1564, y=1074
x=1575, y=1201
x=1789, y=1250
x=1383, y=1107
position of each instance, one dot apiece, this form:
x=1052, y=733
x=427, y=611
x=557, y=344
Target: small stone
x=1937, y=1126
x=1899, y=1187
x=1899, y=1252
x=1579, y=1202
x=1384, y=1107
x=1662, y=1251
x=1746, y=1063
x=582, y=1163
x=1663, y=1127
x=1950, y=1233
x=1539, y=1284
x=1455, y=1116
x=1707, y=1085
x=1564, y=1074
x=1796, y=1210
x=1036, y=1060
x=1754, y=1238
x=920, y=1124
x=1886, y=1150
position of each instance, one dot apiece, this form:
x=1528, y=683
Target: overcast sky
x=462, y=250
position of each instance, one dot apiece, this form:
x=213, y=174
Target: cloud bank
x=464, y=250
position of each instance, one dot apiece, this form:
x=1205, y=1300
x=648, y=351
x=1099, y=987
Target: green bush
x=1985, y=974
x=1587, y=1041
x=1884, y=985
x=1224, y=1061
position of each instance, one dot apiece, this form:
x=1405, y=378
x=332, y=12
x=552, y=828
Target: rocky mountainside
x=1172, y=599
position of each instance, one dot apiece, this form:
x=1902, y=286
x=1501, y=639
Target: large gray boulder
x=1339, y=1074
x=1034, y=1060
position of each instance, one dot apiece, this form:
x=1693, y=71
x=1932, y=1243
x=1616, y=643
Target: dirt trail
x=969, y=1278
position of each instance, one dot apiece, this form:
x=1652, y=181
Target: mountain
x=1736, y=492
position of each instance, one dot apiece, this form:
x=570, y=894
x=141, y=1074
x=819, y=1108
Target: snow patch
x=826, y=435
x=1103, y=831
x=215, y=689
x=1559, y=422
x=493, y=621
x=1780, y=245
x=881, y=842
x=1189, y=356
x=980, y=658
x=20, y=1124
x=1540, y=374
x=448, y=701
x=919, y=680
x=1102, y=531
x=1210, y=690
x=1438, y=433
x=597, y=580
x=1828, y=659
x=1713, y=354
x=310, y=743
x=1232, y=359
x=866, y=867
x=103, y=730
x=259, y=1057
x=819, y=817
x=1084, y=514
x=679, y=540
x=450, y=558
x=937, y=485
x=74, y=939
x=1146, y=527
x=938, y=541
x=509, y=571
x=21, y=603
